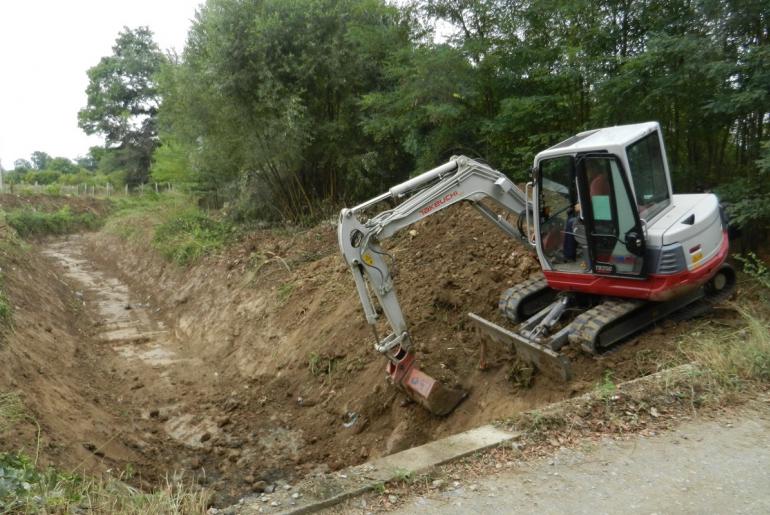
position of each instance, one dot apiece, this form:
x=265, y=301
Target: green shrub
x=755, y=268
x=28, y=222
x=190, y=235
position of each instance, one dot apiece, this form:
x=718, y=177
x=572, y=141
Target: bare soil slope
x=257, y=366
x=46, y=359
x=284, y=361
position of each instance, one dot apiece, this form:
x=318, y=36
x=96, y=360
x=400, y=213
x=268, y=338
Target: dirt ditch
x=256, y=366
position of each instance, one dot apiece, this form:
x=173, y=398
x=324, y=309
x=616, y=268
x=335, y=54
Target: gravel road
x=702, y=467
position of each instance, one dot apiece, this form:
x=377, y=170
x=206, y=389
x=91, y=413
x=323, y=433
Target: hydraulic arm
x=460, y=179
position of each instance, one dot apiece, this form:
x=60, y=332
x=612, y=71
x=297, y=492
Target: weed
x=321, y=365
x=755, y=268
x=6, y=310
x=403, y=475
x=606, y=387
x=379, y=488
x=314, y=364
x=521, y=374
x=11, y=410
x=28, y=222
x=285, y=290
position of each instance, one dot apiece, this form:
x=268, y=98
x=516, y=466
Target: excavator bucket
x=440, y=400
x=544, y=358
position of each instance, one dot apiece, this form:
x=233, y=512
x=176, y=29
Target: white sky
x=46, y=46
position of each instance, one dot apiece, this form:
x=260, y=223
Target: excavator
x=618, y=250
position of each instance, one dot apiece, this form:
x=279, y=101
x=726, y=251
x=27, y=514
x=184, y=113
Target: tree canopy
x=123, y=101
x=281, y=108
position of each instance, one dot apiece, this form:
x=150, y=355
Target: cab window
x=611, y=217
x=648, y=173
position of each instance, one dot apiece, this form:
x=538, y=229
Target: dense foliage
x=264, y=107
x=281, y=108
x=44, y=170
x=123, y=103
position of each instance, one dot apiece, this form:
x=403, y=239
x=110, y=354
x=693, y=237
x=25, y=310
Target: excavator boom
x=460, y=179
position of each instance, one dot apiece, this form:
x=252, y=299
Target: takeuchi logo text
x=440, y=202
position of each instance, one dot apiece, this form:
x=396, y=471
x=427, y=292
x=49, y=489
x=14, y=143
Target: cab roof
x=600, y=139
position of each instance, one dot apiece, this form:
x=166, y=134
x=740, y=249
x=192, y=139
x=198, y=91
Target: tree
x=123, y=101
x=22, y=165
x=62, y=165
x=265, y=104
x=40, y=160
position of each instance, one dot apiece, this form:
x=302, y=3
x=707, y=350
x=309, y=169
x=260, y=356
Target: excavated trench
x=217, y=372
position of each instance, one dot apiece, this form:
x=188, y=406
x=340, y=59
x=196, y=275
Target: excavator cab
x=588, y=221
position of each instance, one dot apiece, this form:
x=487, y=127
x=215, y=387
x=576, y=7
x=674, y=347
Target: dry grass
x=11, y=410
x=27, y=488
x=732, y=357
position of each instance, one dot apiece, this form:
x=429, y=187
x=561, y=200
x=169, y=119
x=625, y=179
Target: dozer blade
x=431, y=394
x=545, y=359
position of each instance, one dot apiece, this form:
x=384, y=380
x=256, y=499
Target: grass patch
x=285, y=290
x=11, y=410
x=403, y=475
x=26, y=489
x=135, y=217
x=189, y=235
x=732, y=358
x=28, y=222
x=171, y=224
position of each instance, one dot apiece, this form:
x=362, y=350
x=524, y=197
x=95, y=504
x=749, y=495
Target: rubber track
x=512, y=297
x=587, y=326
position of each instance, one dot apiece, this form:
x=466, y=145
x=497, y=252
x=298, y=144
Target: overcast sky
x=46, y=46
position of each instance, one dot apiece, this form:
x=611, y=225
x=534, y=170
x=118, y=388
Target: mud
x=257, y=366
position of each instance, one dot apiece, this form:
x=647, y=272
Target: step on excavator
x=618, y=250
